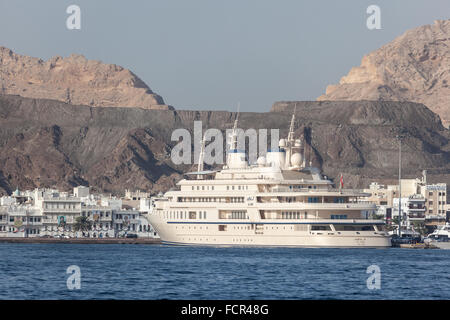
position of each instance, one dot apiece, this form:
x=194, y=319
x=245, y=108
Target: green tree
x=82, y=224
x=419, y=226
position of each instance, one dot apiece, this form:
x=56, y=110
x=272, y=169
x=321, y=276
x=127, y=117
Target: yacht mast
x=292, y=126
x=234, y=142
x=290, y=143
x=201, y=158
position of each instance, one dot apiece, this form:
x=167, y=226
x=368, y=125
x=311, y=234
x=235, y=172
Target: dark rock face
x=45, y=143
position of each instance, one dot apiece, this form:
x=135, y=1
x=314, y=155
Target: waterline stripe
x=263, y=222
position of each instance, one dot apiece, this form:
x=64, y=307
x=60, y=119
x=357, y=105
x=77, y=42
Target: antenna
x=237, y=116
x=292, y=126
x=233, y=140
x=201, y=157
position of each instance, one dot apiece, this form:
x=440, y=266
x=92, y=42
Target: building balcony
x=121, y=221
x=53, y=210
x=417, y=209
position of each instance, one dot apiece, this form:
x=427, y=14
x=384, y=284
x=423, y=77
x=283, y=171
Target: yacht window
x=320, y=227
x=344, y=227
x=338, y=216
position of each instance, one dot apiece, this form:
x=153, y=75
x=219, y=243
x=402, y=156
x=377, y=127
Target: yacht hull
x=243, y=235
x=442, y=245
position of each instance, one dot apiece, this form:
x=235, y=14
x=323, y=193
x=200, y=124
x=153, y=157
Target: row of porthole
x=203, y=187
x=200, y=228
x=199, y=239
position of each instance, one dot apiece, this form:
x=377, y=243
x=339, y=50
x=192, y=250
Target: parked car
x=131, y=235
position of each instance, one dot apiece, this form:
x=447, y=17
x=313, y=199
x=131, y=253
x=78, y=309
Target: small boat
x=440, y=237
x=408, y=236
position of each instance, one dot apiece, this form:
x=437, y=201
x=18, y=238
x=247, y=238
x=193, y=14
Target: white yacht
x=276, y=202
x=440, y=237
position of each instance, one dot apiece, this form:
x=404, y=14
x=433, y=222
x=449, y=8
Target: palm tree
x=82, y=224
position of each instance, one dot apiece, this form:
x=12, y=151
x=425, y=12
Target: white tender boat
x=440, y=237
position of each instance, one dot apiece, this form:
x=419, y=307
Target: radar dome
x=282, y=143
x=296, y=159
x=261, y=161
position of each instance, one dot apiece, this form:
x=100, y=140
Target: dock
x=81, y=240
x=417, y=246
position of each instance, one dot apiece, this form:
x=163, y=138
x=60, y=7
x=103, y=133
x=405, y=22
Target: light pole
x=399, y=137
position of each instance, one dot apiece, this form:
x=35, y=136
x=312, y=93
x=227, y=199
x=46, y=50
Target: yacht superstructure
x=279, y=201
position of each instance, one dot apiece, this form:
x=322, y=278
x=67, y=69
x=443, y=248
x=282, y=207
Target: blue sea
x=109, y=271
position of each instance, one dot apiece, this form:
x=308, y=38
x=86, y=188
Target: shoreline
x=82, y=240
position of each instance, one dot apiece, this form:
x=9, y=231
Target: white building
x=81, y=192
x=413, y=207
x=49, y=212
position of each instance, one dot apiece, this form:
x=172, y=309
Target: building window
x=338, y=216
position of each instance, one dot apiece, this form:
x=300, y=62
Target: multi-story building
x=20, y=221
x=59, y=211
x=412, y=192
x=126, y=221
x=382, y=195
x=436, y=196
x=101, y=219
x=132, y=198
x=48, y=212
x=136, y=195
x=413, y=207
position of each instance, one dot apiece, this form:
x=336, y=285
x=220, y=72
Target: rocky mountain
x=413, y=67
x=46, y=143
x=75, y=80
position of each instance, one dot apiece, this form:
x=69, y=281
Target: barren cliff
x=74, y=80
x=414, y=67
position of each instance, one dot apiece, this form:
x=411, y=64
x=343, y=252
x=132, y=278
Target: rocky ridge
x=75, y=80
x=413, y=67
x=112, y=149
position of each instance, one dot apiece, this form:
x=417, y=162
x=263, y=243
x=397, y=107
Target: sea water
x=122, y=271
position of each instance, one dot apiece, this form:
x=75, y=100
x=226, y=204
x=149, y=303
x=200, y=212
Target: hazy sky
x=211, y=54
